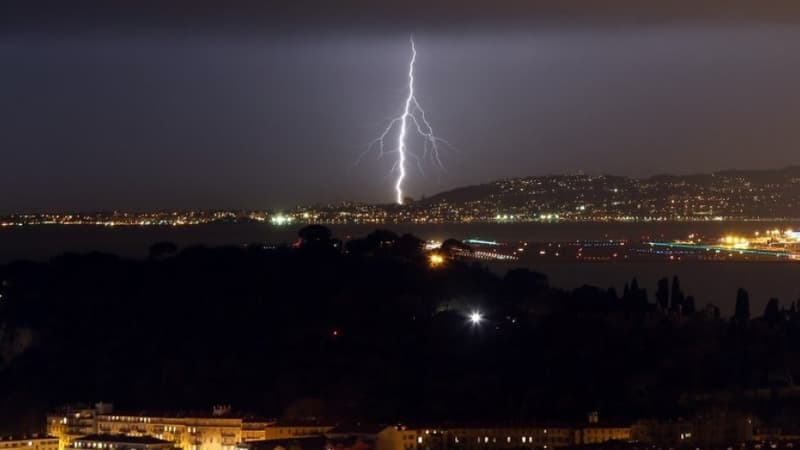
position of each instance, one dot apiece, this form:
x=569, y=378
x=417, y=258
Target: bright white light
x=413, y=114
x=476, y=317
x=280, y=219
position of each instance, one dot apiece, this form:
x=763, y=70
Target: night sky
x=145, y=105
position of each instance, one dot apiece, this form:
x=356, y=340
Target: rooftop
x=24, y=437
x=171, y=414
x=300, y=423
x=358, y=428
x=470, y=425
x=297, y=441
x=121, y=438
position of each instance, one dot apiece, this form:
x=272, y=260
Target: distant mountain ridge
x=745, y=193
x=470, y=191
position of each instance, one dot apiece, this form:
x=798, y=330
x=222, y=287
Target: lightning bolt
x=413, y=114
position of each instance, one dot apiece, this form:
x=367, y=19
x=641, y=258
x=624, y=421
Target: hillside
x=729, y=193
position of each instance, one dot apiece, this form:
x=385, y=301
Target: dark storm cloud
x=378, y=16
x=141, y=105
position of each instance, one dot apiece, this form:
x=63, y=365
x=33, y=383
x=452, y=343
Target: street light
x=475, y=317
x=435, y=260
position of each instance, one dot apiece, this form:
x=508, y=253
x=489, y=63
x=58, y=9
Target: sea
x=709, y=282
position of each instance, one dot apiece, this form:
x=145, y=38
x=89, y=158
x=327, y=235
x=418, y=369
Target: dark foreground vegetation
x=370, y=330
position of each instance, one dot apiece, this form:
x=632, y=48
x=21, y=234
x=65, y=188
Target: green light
x=479, y=241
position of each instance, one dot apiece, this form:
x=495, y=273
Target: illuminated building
x=119, y=442
x=215, y=431
x=72, y=422
x=255, y=429
x=720, y=426
x=472, y=437
x=659, y=432
x=398, y=437
x=373, y=437
x=712, y=428
x=32, y=442
x=299, y=443
x=194, y=432
x=285, y=429
x=511, y=436
x=597, y=434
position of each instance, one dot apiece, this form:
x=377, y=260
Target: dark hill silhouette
x=375, y=333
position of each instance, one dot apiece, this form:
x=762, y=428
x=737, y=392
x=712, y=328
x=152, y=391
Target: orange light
x=435, y=260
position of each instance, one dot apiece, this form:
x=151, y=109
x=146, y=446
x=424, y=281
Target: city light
x=435, y=260
x=480, y=242
x=433, y=244
x=735, y=242
x=475, y=317
x=280, y=219
x=539, y=198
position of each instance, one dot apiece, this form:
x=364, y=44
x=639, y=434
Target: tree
x=662, y=293
x=772, y=313
x=522, y=282
x=382, y=238
x=676, y=297
x=633, y=297
x=712, y=310
x=409, y=246
x=311, y=234
x=638, y=295
x=162, y=249
x=742, y=311
x=377, y=242
x=689, y=307
x=634, y=285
